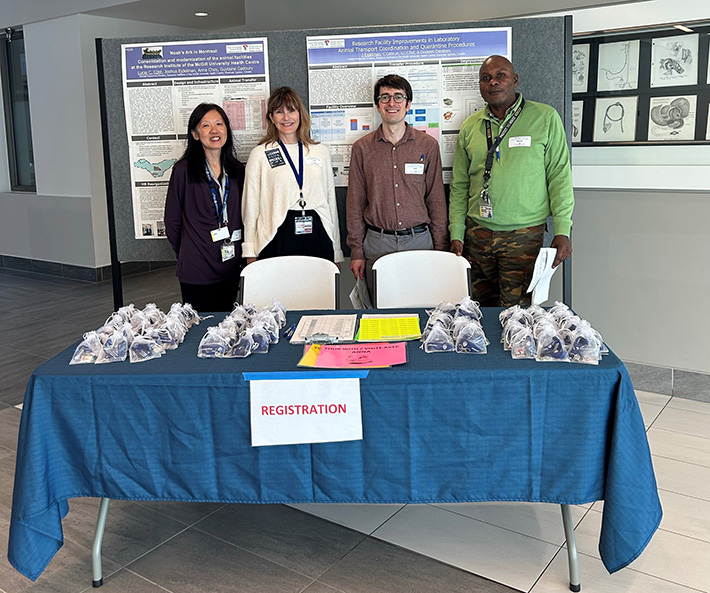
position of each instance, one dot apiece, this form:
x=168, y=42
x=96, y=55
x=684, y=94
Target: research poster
x=162, y=84
x=442, y=67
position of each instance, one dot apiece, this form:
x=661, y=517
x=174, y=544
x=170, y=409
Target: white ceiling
x=256, y=15
x=222, y=14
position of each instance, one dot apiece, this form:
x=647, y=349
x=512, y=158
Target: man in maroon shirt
x=395, y=190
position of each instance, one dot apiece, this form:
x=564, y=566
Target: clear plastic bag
x=188, y=313
x=105, y=332
x=458, y=324
x=505, y=315
x=438, y=340
x=214, y=344
x=467, y=307
x=442, y=321
x=260, y=336
x=522, y=344
x=511, y=330
x=144, y=348
x=154, y=315
x=584, y=347
x=127, y=312
x=267, y=319
x=603, y=348
x=88, y=349
x=446, y=307
x=243, y=346
x=471, y=339
x=550, y=346
x=279, y=311
x=175, y=326
x=140, y=323
x=115, y=349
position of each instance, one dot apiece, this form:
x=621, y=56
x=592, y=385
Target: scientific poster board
x=162, y=83
x=540, y=49
x=441, y=65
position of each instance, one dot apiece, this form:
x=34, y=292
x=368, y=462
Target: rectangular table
x=444, y=427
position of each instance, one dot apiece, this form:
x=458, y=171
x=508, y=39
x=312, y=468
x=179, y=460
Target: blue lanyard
x=298, y=173
x=213, y=190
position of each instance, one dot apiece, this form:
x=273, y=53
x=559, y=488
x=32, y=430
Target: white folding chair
x=298, y=281
x=420, y=279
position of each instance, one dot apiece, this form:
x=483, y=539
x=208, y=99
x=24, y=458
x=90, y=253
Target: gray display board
x=540, y=49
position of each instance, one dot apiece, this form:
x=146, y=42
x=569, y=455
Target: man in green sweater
x=511, y=172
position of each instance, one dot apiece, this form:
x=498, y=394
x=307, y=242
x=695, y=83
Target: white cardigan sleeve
x=250, y=200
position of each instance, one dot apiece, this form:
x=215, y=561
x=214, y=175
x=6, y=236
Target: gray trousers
x=377, y=244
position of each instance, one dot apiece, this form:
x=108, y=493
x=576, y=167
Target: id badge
x=486, y=210
x=304, y=225
x=220, y=234
x=228, y=252
x=236, y=235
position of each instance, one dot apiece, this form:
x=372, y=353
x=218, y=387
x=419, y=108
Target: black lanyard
x=493, y=146
x=213, y=190
x=298, y=173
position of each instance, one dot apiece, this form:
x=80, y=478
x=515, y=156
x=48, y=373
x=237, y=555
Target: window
x=17, y=111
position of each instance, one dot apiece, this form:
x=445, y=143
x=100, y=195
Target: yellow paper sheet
x=379, y=329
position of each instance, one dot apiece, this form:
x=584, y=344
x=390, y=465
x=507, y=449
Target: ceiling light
x=201, y=14
x=683, y=28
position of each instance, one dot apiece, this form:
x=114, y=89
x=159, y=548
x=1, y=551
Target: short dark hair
x=393, y=81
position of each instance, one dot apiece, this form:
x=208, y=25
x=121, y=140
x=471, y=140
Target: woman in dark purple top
x=203, y=212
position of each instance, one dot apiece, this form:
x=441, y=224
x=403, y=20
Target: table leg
x=574, y=584
x=98, y=540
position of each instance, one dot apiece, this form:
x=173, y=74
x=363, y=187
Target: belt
x=420, y=228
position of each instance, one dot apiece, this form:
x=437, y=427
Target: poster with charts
x=442, y=67
x=615, y=119
x=618, y=68
x=162, y=84
x=674, y=61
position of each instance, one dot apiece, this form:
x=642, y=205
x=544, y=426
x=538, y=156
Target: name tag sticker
x=275, y=157
x=314, y=160
x=517, y=141
x=414, y=168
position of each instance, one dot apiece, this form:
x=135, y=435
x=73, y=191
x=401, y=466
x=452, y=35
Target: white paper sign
x=542, y=273
x=297, y=411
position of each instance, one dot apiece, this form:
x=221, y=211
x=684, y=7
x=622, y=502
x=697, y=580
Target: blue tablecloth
x=444, y=427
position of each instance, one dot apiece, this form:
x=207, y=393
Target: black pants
x=217, y=297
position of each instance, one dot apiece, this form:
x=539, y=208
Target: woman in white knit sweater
x=288, y=204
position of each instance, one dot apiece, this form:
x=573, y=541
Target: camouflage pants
x=502, y=263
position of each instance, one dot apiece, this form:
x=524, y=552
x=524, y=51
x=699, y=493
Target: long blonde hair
x=285, y=96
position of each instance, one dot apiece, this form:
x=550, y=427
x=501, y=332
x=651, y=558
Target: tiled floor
x=484, y=547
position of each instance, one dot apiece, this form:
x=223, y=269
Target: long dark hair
x=195, y=153
x=286, y=97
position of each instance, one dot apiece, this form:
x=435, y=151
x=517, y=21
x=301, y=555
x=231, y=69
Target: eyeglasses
x=398, y=98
